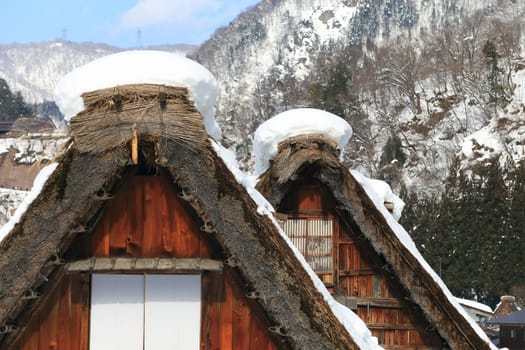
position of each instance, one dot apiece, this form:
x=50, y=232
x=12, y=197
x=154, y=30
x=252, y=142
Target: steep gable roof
x=73, y=197
x=318, y=155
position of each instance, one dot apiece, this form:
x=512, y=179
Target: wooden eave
x=143, y=265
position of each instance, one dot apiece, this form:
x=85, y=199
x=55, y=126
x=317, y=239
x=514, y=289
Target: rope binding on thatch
x=296, y=151
x=113, y=115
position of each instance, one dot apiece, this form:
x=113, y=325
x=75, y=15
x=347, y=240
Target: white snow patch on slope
x=38, y=184
x=292, y=123
x=482, y=145
x=382, y=191
x=503, y=136
x=137, y=67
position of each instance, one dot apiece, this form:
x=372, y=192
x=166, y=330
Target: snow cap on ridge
x=296, y=122
x=138, y=67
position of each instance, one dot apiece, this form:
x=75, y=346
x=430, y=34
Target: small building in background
x=479, y=312
x=5, y=127
x=511, y=330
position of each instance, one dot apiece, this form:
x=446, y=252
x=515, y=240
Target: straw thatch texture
x=294, y=154
x=156, y=110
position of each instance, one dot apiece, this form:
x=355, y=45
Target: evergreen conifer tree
x=494, y=76
x=12, y=105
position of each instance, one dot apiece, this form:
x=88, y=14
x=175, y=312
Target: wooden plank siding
x=361, y=277
x=147, y=219
x=62, y=321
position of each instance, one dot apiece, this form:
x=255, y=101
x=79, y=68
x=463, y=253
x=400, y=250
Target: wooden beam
x=135, y=147
x=391, y=327
x=387, y=303
x=143, y=265
x=389, y=206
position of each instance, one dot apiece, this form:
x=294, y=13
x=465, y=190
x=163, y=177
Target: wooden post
x=135, y=146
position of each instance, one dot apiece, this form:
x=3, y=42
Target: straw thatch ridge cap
x=112, y=114
x=294, y=154
x=354, y=204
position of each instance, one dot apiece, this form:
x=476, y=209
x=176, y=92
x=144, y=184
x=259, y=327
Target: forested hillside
x=437, y=103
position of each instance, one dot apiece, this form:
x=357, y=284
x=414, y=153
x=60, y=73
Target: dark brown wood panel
x=229, y=321
x=146, y=218
x=62, y=321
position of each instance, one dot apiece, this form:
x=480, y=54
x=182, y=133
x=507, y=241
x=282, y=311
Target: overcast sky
x=124, y=23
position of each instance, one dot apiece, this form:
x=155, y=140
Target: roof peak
x=141, y=67
x=111, y=117
x=295, y=122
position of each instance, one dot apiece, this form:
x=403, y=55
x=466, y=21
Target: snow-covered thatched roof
x=318, y=156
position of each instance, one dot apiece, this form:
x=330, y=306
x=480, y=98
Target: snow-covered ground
x=32, y=151
x=34, y=148
x=10, y=200
x=38, y=184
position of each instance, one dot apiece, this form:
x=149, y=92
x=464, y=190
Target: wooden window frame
x=329, y=278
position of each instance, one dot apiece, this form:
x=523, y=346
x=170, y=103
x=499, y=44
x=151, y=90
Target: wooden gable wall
x=147, y=219
x=362, y=279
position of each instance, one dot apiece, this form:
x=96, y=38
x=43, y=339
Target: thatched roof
x=69, y=202
x=155, y=110
x=317, y=156
x=23, y=126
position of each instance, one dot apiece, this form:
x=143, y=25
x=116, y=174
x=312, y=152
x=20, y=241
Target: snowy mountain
x=35, y=68
x=280, y=38
x=267, y=59
x=272, y=48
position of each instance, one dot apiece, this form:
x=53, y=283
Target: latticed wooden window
x=313, y=238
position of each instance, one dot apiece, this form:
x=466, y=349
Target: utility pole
x=139, y=38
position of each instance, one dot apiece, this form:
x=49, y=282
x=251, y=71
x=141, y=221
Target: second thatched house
x=351, y=239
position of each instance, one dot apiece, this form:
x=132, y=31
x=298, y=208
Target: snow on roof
x=136, y=67
x=38, y=184
x=409, y=244
x=474, y=305
x=292, y=123
x=353, y=324
x=382, y=191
